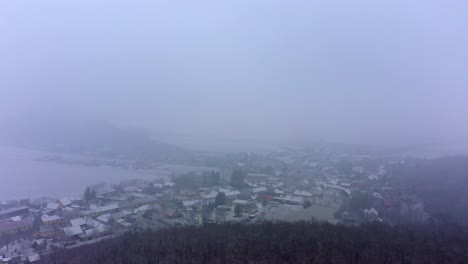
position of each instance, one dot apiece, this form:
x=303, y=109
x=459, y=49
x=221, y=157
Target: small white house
x=303, y=193
x=240, y=202
x=259, y=190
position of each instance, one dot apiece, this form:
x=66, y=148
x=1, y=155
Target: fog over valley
x=360, y=72
x=233, y=132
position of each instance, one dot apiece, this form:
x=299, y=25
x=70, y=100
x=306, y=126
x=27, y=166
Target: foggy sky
x=346, y=71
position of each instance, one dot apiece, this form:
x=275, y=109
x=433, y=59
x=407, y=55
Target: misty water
x=24, y=177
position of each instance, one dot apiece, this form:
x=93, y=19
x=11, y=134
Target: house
x=38, y=243
x=106, y=191
x=264, y=197
x=12, y=260
x=51, y=219
x=52, y=206
x=130, y=189
x=171, y=213
x=16, y=260
x=278, y=191
x=97, y=231
x=47, y=231
x=85, y=227
x=371, y=211
x=4, y=260
x=340, y=188
x=345, y=184
x=371, y=215
x=111, y=208
x=257, y=176
x=317, y=191
x=333, y=181
x=74, y=230
x=320, y=184
x=16, y=218
x=290, y=199
x=278, y=184
x=302, y=194
x=411, y=199
x=240, y=202
x=169, y=184
x=210, y=197
x=85, y=222
x=135, y=195
x=13, y=227
x=382, y=172
x=65, y=202
x=34, y=258
x=145, y=201
x=190, y=203
x=123, y=223
x=120, y=215
x=71, y=212
x=143, y=209
x=224, y=190
x=104, y=218
x=251, y=184
x=259, y=190
x=15, y=211
x=359, y=170
x=231, y=195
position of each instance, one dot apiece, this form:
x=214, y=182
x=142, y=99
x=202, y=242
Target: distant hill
x=278, y=243
x=78, y=135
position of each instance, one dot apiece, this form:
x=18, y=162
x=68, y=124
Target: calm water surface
x=23, y=177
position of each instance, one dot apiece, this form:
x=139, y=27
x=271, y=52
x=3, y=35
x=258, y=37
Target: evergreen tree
x=87, y=194
x=220, y=199
x=237, y=210
x=214, y=178
x=93, y=195
x=238, y=179
x=90, y=195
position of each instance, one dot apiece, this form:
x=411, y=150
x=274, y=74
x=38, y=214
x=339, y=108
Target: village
x=281, y=186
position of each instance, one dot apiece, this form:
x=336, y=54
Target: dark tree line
x=303, y=242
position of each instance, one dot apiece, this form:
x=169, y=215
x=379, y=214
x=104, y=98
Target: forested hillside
x=301, y=242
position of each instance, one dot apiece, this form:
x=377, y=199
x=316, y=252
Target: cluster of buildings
x=359, y=193
x=364, y=182
x=41, y=225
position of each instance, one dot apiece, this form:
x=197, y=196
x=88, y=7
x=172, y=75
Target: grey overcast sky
x=347, y=71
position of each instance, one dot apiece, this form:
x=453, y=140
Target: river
x=23, y=177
